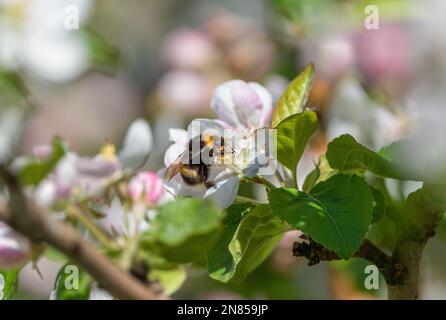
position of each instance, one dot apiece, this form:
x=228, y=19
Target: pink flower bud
x=14, y=248
x=146, y=186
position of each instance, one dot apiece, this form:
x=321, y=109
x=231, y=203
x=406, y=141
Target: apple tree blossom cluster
x=232, y=189
x=155, y=224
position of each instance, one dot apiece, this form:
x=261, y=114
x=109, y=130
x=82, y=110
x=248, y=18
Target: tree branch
x=416, y=224
x=394, y=272
x=29, y=220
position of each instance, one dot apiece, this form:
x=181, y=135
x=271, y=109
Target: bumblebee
x=191, y=167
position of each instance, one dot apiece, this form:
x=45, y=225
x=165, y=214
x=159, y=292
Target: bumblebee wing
x=174, y=167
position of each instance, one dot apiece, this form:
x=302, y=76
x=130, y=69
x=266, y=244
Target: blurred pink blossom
x=184, y=91
x=334, y=57
x=188, y=48
x=42, y=151
x=384, y=53
x=146, y=186
x=15, y=249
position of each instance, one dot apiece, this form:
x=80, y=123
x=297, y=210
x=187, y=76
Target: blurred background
x=379, y=77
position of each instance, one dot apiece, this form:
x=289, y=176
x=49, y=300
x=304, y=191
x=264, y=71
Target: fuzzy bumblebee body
x=190, y=165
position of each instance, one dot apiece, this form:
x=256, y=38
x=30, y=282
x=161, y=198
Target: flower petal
x=178, y=136
x=137, y=145
x=11, y=125
x=95, y=168
x=147, y=187
x=223, y=105
x=113, y=222
x=173, y=152
x=59, y=58
x=224, y=192
x=267, y=104
x=242, y=105
x=66, y=172
x=45, y=193
x=50, y=15
x=15, y=249
x=247, y=104
x=205, y=127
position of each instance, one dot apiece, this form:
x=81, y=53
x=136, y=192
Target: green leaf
x=321, y=172
x=293, y=134
x=220, y=261
x=345, y=154
x=34, y=172
x=379, y=205
x=295, y=96
x=336, y=213
x=55, y=255
x=8, y=287
x=394, y=10
x=250, y=235
x=184, y=230
x=13, y=91
x=104, y=56
x=72, y=283
x=171, y=278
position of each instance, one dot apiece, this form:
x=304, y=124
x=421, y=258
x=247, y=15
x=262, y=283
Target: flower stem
x=295, y=183
x=280, y=178
x=79, y=215
x=132, y=243
x=246, y=199
x=260, y=180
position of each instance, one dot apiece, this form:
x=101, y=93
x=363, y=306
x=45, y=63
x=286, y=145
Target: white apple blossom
x=189, y=49
x=34, y=36
x=242, y=108
x=11, y=125
x=75, y=175
x=354, y=113
x=243, y=105
x=147, y=191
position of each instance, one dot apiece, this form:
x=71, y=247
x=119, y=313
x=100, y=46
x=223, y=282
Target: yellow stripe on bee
x=189, y=172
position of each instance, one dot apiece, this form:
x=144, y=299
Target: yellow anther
x=108, y=151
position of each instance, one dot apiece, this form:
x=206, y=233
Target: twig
x=416, y=224
x=79, y=215
x=29, y=220
x=393, y=271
